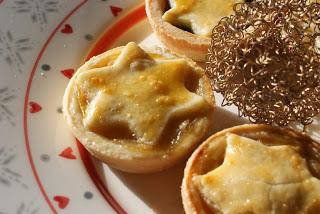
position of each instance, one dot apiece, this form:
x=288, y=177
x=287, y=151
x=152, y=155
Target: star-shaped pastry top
x=138, y=92
x=255, y=178
x=199, y=15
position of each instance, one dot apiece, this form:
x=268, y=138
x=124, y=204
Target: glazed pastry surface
x=199, y=15
x=257, y=178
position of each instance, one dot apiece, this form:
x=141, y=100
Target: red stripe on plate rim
x=26, y=100
x=104, y=43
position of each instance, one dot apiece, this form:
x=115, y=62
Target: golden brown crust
x=179, y=41
x=127, y=155
x=212, y=151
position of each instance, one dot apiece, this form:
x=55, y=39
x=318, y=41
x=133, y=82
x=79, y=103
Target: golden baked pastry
x=199, y=17
x=253, y=169
x=138, y=111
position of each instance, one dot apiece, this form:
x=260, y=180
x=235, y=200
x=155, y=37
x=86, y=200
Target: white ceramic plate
x=42, y=167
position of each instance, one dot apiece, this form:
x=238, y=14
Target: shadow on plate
x=161, y=191
x=225, y=119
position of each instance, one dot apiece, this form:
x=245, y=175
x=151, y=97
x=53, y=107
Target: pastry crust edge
x=121, y=158
x=191, y=199
x=179, y=41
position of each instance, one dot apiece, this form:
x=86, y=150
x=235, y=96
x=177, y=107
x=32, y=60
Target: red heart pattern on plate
x=62, y=201
x=68, y=73
x=115, y=10
x=68, y=153
x=67, y=29
x=34, y=107
x=1, y=1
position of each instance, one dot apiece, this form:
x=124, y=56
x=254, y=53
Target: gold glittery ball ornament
x=265, y=59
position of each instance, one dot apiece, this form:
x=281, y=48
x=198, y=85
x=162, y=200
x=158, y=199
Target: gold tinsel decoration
x=265, y=59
